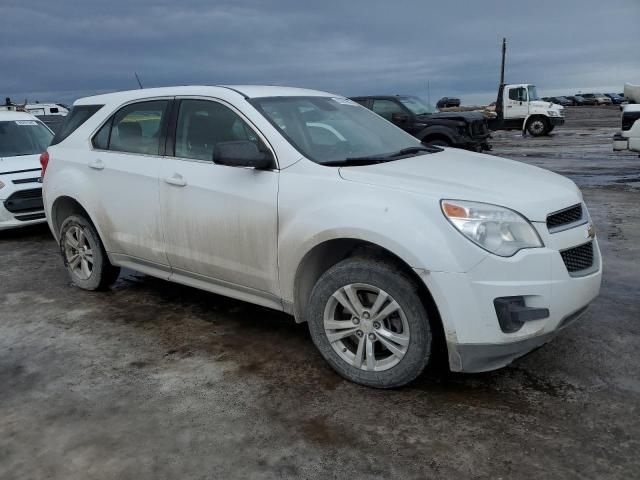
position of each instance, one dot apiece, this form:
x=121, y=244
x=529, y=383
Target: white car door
x=125, y=164
x=220, y=222
x=517, y=102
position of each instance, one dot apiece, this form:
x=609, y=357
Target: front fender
x=410, y=226
x=439, y=130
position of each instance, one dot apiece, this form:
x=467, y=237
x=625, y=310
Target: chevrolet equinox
x=309, y=203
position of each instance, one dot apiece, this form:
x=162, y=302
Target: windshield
x=533, y=93
x=23, y=137
x=328, y=130
x=416, y=105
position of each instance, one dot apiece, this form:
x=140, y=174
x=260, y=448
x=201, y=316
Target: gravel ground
x=155, y=380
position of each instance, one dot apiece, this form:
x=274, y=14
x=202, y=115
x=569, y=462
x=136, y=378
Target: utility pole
x=504, y=53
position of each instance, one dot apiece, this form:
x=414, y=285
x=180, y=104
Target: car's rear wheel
x=84, y=256
x=367, y=321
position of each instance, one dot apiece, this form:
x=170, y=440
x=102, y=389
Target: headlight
x=497, y=229
x=553, y=113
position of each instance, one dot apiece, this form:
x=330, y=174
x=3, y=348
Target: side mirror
x=399, y=117
x=241, y=153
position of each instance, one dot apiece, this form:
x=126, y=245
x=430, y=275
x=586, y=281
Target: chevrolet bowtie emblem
x=591, y=231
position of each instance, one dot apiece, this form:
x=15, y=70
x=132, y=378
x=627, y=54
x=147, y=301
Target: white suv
x=306, y=202
x=22, y=139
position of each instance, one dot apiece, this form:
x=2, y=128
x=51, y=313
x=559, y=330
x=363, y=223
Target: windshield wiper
x=350, y=161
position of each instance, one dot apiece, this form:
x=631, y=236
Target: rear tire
x=84, y=255
x=367, y=320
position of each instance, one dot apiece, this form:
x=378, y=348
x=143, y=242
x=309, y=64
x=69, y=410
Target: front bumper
x=465, y=301
x=556, y=121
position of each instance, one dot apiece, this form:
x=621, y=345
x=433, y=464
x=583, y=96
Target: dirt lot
x=155, y=380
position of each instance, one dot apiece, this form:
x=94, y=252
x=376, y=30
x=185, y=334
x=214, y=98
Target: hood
x=23, y=162
x=543, y=104
x=462, y=175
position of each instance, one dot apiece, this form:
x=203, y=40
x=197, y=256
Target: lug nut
x=359, y=333
x=376, y=325
x=365, y=315
x=372, y=336
x=356, y=321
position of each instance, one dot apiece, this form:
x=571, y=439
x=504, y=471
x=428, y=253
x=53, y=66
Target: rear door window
x=77, y=117
x=136, y=128
x=386, y=108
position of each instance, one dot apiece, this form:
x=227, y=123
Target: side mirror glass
x=241, y=153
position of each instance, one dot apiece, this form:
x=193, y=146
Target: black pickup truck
x=467, y=130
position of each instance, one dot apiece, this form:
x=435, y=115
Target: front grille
x=564, y=217
x=25, y=201
x=578, y=258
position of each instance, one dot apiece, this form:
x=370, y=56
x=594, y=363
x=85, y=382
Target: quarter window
x=386, y=108
x=202, y=124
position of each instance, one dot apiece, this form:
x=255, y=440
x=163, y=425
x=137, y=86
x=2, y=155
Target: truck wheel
x=537, y=126
x=367, y=320
x=84, y=256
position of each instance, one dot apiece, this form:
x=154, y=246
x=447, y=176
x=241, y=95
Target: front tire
x=367, y=320
x=538, y=126
x=438, y=142
x=84, y=255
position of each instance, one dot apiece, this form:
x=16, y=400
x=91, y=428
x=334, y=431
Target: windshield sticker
x=344, y=101
x=26, y=122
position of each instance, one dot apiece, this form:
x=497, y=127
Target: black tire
x=403, y=290
x=538, y=126
x=438, y=142
x=103, y=274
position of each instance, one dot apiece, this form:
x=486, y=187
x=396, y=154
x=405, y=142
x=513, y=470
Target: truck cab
x=629, y=137
x=519, y=108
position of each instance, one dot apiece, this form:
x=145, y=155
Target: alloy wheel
x=78, y=252
x=366, y=327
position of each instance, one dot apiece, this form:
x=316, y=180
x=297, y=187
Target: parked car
x=599, y=98
x=564, y=101
x=306, y=202
x=46, y=109
x=448, y=102
x=22, y=139
x=581, y=101
x=467, y=130
x=615, y=98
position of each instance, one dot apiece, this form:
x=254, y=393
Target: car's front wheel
x=368, y=322
x=537, y=126
x=84, y=256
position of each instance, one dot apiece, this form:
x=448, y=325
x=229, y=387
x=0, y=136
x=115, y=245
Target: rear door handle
x=96, y=164
x=176, y=179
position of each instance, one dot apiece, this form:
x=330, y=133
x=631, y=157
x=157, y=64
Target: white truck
x=519, y=108
x=629, y=137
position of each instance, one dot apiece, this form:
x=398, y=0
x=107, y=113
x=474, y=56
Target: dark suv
x=467, y=130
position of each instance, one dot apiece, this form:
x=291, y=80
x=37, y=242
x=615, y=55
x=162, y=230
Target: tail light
x=44, y=161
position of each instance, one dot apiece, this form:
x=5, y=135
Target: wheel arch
x=329, y=252
x=62, y=207
x=533, y=116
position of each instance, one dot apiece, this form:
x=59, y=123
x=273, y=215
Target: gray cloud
x=63, y=50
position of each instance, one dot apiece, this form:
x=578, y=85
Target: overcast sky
x=61, y=50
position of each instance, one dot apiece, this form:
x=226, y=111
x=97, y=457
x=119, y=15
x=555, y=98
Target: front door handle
x=176, y=179
x=96, y=164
